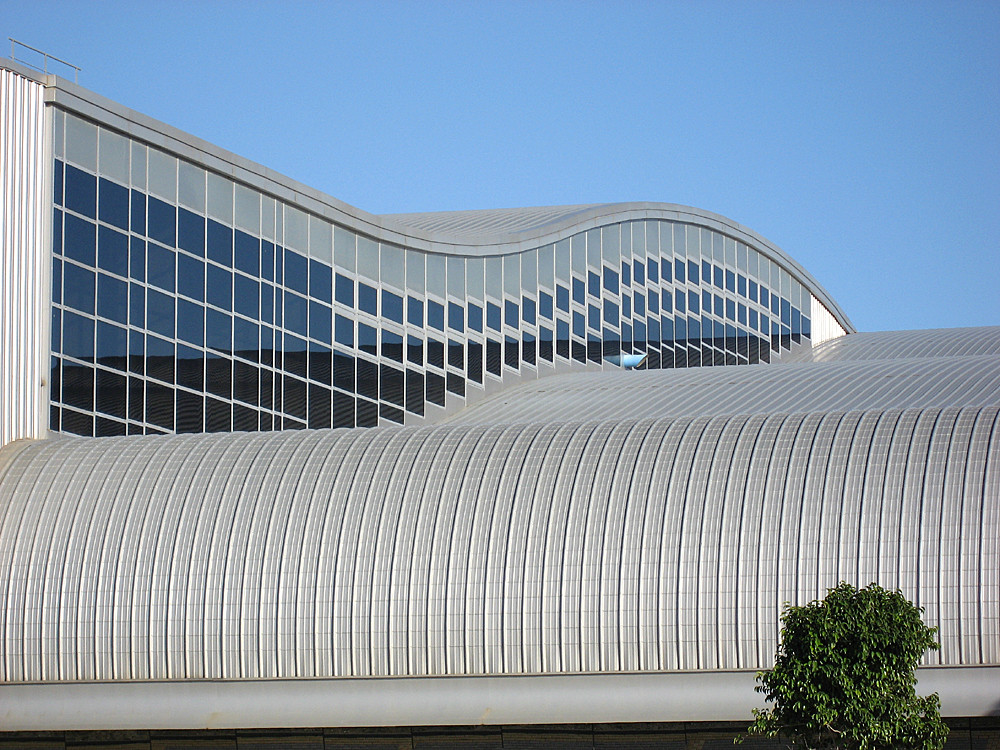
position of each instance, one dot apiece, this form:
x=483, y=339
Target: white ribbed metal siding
x=24, y=272
x=824, y=325
x=507, y=549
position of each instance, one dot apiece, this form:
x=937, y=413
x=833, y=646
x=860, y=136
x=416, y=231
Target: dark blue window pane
x=137, y=305
x=296, y=272
x=639, y=269
x=246, y=339
x=435, y=315
x=219, y=331
x=456, y=355
x=640, y=302
x=78, y=336
x=112, y=345
x=79, y=288
x=593, y=284
x=367, y=339
x=367, y=299
x=220, y=243
x=679, y=271
x=666, y=270
x=109, y=390
x=266, y=303
x=752, y=321
x=456, y=317
x=654, y=301
x=266, y=260
x=57, y=182
x=626, y=306
x=720, y=306
x=775, y=304
x=435, y=353
x=741, y=314
x=219, y=287
x=114, y=204
x=693, y=272
x=246, y=296
x=786, y=312
x=706, y=301
x=56, y=280
x=706, y=272
x=392, y=306
x=320, y=281
x=741, y=285
x=160, y=313
x=191, y=232
x=81, y=192
x=162, y=221
x=476, y=317
x=579, y=325
x=764, y=297
x=545, y=305
x=160, y=266
x=752, y=291
x=626, y=273
x=528, y=310
x=80, y=240
x=160, y=359
x=392, y=346
x=610, y=280
x=415, y=311
x=137, y=258
x=579, y=292
x=320, y=322
x=594, y=317
x=344, y=330
x=694, y=303
x=296, y=314
x=730, y=281
x=112, y=251
x=667, y=301
x=137, y=212
x=493, y=316
x=562, y=298
x=679, y=301
x=730, y=309
x=345, y=290
x=112, y=298
x=57, y=231
x=654, y=270
x=190, y=322
x=248, y=254
x=610, y=312
x=191, y=277
x=511, y=314
x=414, y=350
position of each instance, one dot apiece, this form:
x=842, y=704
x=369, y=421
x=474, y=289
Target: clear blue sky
x=863, y=138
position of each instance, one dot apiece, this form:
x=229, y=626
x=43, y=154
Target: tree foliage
x=843, y=675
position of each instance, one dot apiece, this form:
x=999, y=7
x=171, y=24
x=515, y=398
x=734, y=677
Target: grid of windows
x=185, y=302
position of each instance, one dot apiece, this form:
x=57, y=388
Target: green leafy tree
x=843, y=675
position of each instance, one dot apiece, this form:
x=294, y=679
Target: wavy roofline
x=394, y=228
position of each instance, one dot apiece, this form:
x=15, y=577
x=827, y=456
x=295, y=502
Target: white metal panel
x=25, y=299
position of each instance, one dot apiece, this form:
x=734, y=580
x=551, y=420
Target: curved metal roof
x=637, y=545
x=891, y=370
x=474, y=233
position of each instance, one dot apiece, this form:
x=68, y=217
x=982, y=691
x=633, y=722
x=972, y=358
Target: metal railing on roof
x=46, y=57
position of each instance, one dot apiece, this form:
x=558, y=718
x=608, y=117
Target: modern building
x=610, y=442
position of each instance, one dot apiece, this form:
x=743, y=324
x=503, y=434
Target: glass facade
x=185, y=302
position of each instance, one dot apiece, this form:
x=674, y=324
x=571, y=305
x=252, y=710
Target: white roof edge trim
x=79, y=100
x=421, y=701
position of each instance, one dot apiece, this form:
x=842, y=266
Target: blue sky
x=862, y=138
